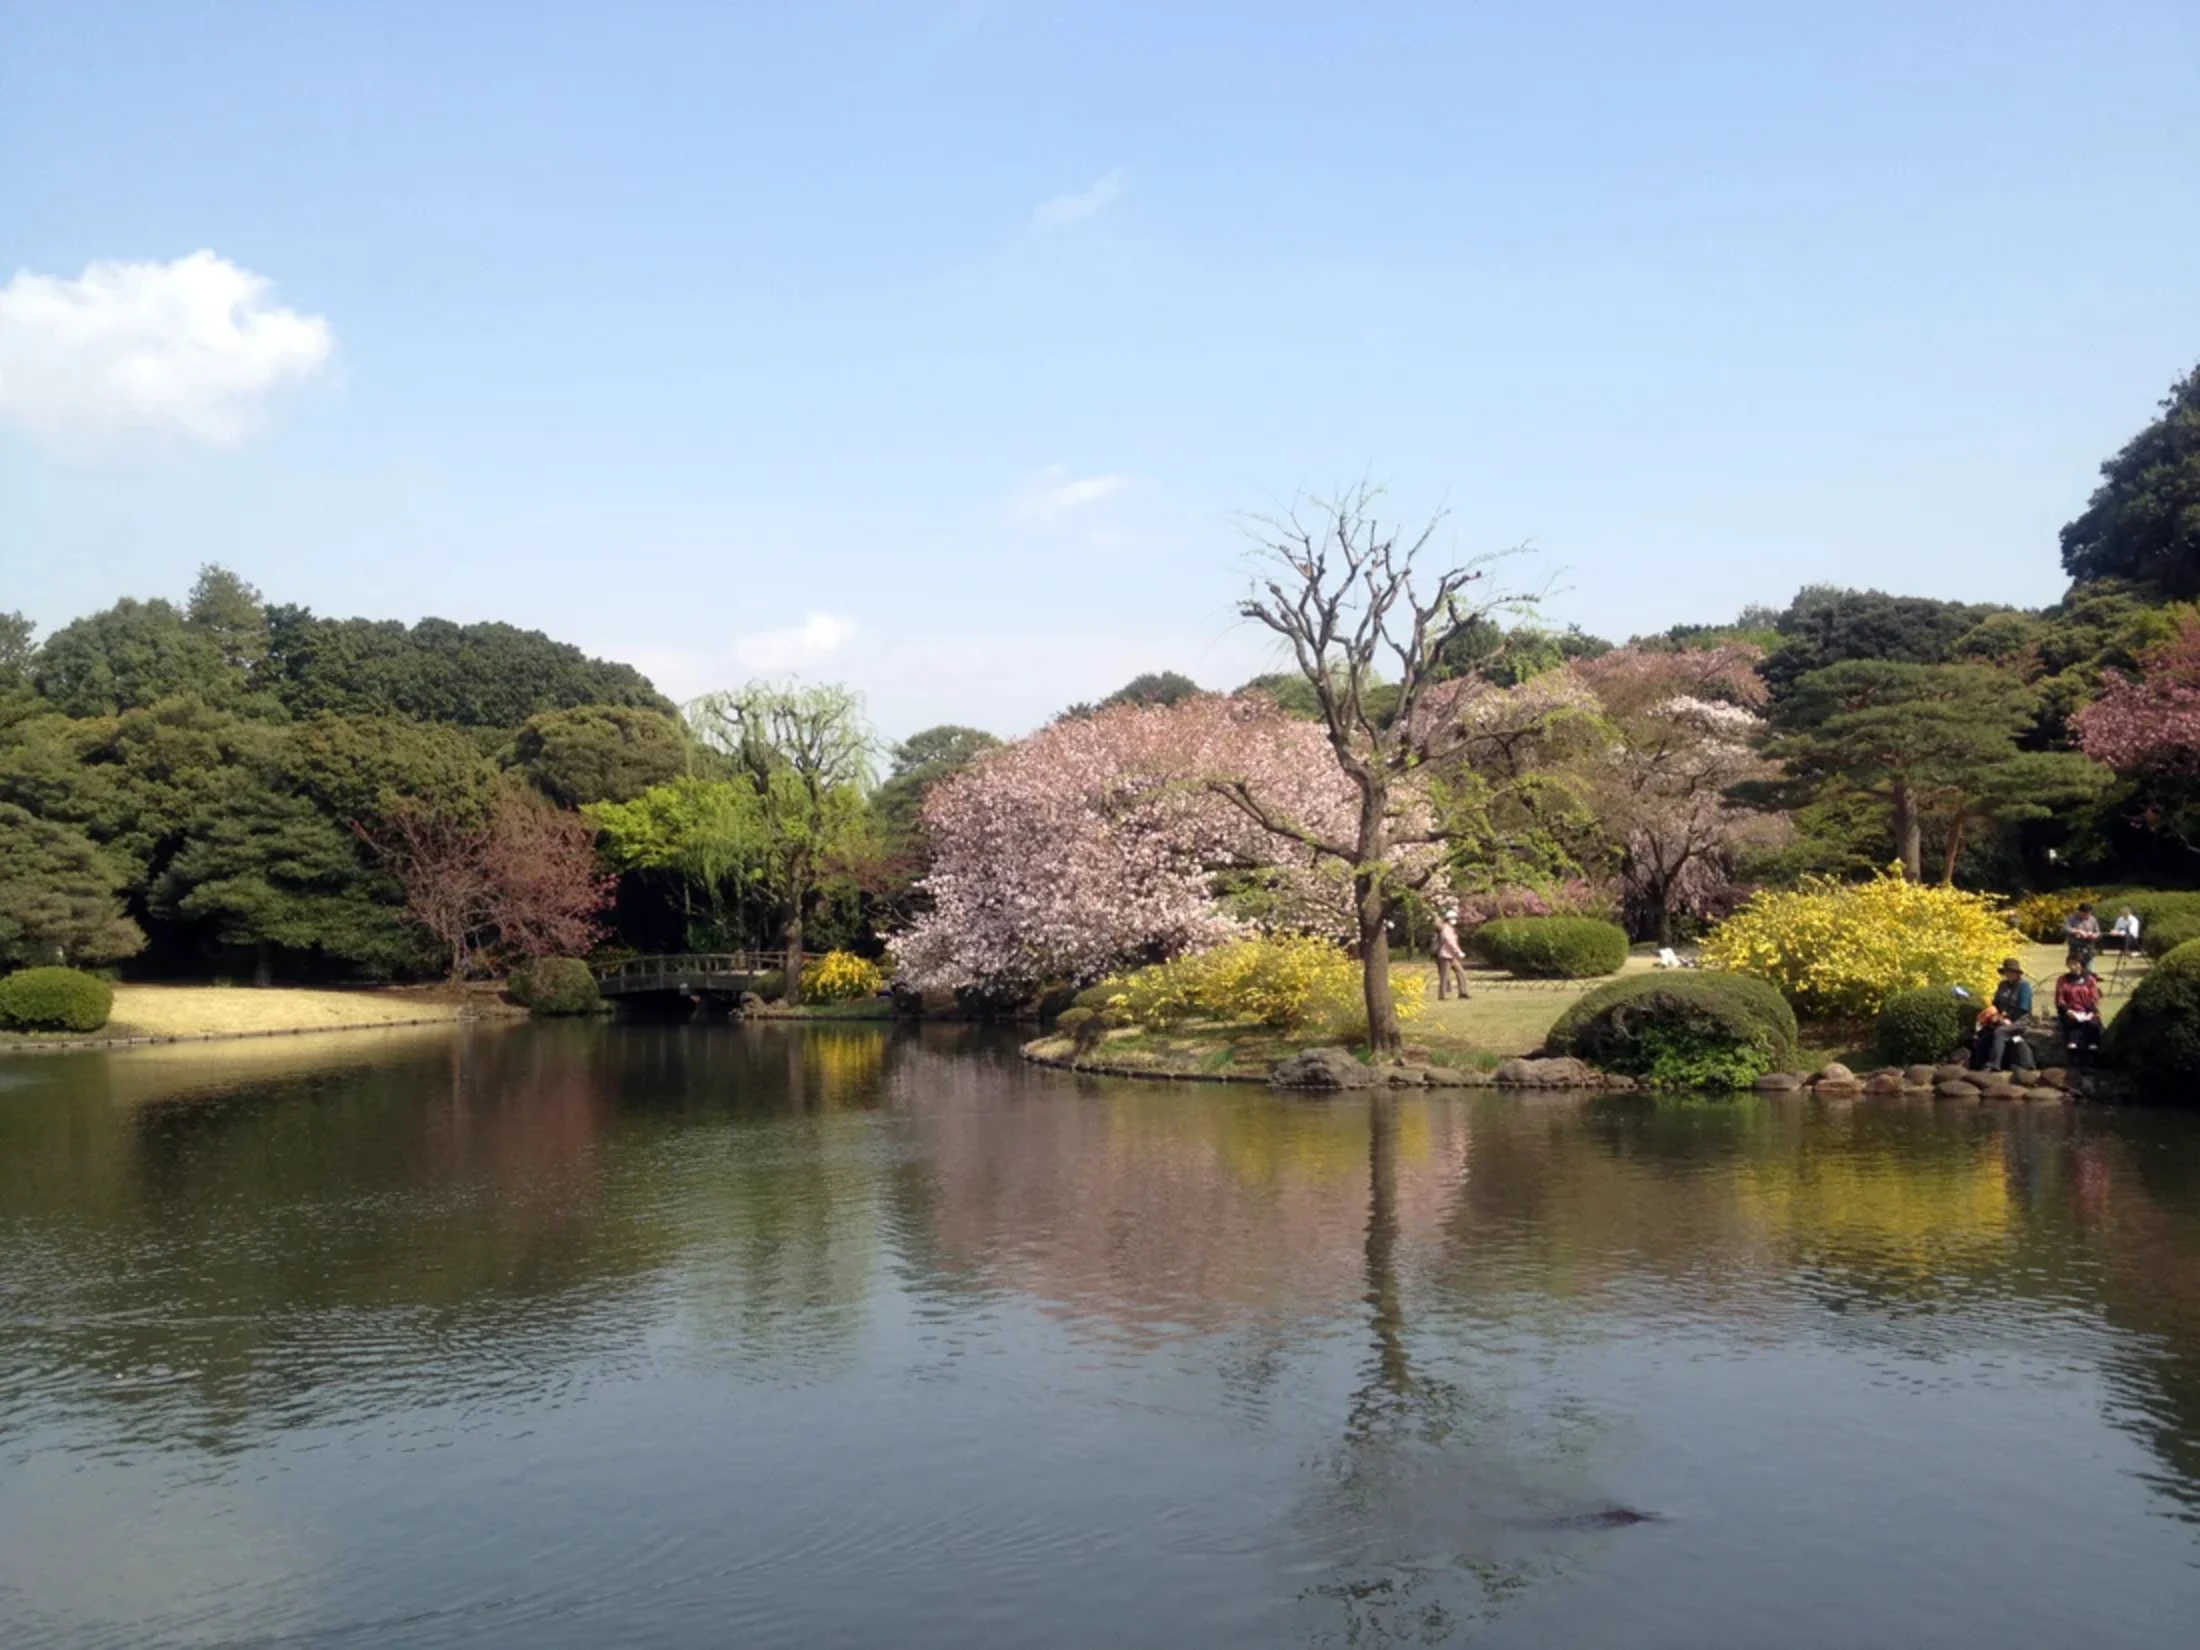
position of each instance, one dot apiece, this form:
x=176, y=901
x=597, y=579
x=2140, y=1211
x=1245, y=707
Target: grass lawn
x=230, y=1011
x=1502, y=1016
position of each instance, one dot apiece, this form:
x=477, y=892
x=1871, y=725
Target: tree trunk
x=263, y=971
x=1955, y=847
x=791, y=992
x=1665, y=918
x=1385, y=1041
x=1909, y=833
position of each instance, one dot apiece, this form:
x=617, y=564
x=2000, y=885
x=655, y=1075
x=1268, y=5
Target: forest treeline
x=230, y=787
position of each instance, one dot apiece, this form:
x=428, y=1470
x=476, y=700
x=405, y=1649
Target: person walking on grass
x=2078, y=1010
x=1451, y=959
x=1999, y=1040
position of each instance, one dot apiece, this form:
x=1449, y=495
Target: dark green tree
x=58, y=896
x=1922, y=739
x=16, y=651
x=2143, y=521
x=263, y=869
x=1826, y=625
x=132, y=655
x=599, y=753
x=916, y=765
x=477, y=676
x=229, y=612
x=1166, y=687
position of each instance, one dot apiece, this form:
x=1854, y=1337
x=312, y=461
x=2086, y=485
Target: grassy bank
x=1501, y=1017
x=207, y=1011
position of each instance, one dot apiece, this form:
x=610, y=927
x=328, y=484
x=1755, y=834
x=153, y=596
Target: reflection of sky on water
x=657, y=1335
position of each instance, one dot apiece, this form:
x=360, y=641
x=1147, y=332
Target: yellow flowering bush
x=1281, y=980
x=1839, y=950
x=2041, y=916
x=841, y=977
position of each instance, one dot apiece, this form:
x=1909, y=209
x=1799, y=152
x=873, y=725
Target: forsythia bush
x=1280, y=980
x=2041, y=916
x=1840, y=950
x=841, y=977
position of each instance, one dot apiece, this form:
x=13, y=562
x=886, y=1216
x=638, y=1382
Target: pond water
x=702, y=1336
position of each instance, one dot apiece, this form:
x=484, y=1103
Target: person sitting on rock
x=1999, y=1040
x=2082, y=931
x=2078, y=1010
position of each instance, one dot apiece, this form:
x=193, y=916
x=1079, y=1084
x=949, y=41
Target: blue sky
x=940, y=349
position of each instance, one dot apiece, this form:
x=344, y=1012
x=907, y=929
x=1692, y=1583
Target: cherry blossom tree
x=2153, y=720
x=1097, y=843
x=1684, y=732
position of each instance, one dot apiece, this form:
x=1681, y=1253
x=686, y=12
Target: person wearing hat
x=2000, y=1033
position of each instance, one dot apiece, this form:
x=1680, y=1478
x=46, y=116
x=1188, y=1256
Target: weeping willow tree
x=785, y=813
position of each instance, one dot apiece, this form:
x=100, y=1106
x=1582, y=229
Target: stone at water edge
x=1956, y=1088
x=1833, y=1071
x=1779, y=1082
x=2055, y=1077
x=1565, y=1072
x=1328, y=1069
x=1406, y=1077
x=1884, y=1082
x=2001, y=1091
x=2027, y=1079
x=1920, y=1076
x=1952, y=1074
x=1619, y=1082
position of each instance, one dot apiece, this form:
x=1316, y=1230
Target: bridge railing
x=640, y=973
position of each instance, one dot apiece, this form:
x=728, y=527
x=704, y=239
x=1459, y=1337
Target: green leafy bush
x=2157, y=1036
x=55, y=999
x=1920, y=1026
x=1085, y=1027
x=1553, y=948
x=2170, y=921
x=553, y=986
x=1681, y=1030
x=770, y=985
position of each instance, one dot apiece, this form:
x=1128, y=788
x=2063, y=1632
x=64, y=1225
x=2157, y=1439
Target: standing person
x=2000, y=1032
x=2082, y=929
x=2078, y=1010
x=1451, y=958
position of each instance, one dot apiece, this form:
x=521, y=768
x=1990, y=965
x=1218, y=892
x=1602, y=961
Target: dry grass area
x=231, y=1011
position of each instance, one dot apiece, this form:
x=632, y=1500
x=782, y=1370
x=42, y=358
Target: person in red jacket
x=2078, y=1008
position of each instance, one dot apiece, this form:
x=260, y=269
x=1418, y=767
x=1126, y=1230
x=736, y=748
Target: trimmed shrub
x=1084, y=1027
x=1553, y=948
x=2167, y=932
x=1919, y=1027
x=771, y=985
x=2157, y=1036
x=1681, y=1030
x=1838, y=951
x=841, y=977
x=55, y=999
x=552, y=986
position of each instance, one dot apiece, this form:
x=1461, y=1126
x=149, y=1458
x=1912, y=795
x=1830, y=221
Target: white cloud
x=1054, y=493
x=190, y=347
x=813, y=641
x=1086, y=203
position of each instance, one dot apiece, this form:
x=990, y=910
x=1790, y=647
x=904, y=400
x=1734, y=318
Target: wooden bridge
x=710, y=974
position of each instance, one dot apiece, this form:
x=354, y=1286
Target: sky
x=949, y=350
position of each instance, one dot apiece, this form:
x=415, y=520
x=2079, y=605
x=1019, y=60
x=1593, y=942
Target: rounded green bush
x=1699, y=1030
x=55, y=999
x=1920, y=1026
x=2171, y=927
x=1084, y=1027
x=2157, y=1036
x=1553, y=948
x=554, y=986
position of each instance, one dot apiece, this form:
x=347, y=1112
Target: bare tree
x=1344, y=593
